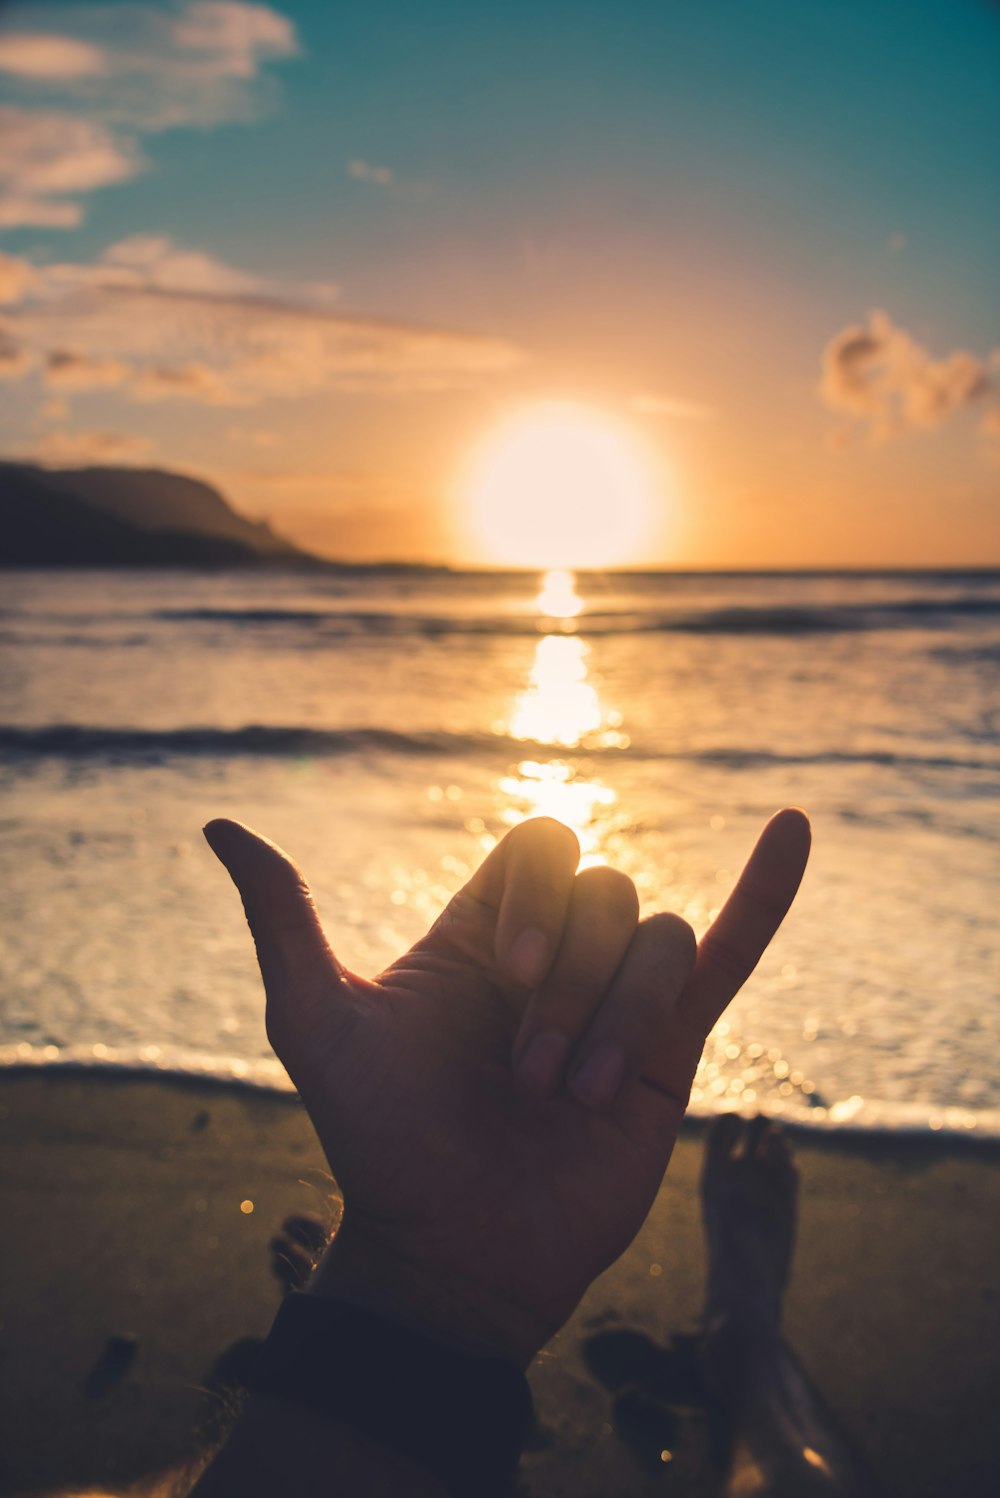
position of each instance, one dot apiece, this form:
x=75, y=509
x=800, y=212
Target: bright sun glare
x=561, y=485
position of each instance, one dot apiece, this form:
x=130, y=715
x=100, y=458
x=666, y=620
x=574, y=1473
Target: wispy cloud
x=84, y=84
x=52, y=58
x=153, y=66
x=364, y=171
x=155, y=262
x=194, y=381
x=64, y=448
x=883, y=378
x=160, y=322
x=15, y=360
x=46, y=157
x=647, y=404
x=17, y=276
x=68, y=370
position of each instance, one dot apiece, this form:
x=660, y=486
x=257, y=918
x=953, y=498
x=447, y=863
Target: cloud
x=143, y=262
x=123, y=73
x=666, y=405
x=880, y=375
x=155, y=261
x=229, y=38
x=69, y=370
x=64, y=448
x=49, y=57
x=153, y=66
x=43, y=157
x=15, y=359
x=363, y=171
x=17, y=277
x=165, y=323
x=193, y=381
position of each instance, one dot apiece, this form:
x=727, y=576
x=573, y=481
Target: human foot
x=749, y=1192
x=295, y=1251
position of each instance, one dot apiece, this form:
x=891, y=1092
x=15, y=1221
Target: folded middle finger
x=600, y=923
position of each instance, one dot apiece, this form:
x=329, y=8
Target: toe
x=756, y=1136
x=777, y=1153
x=724, y=1134
x=307, y=1231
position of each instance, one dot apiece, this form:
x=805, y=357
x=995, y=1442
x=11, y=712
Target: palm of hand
x=490, y=1174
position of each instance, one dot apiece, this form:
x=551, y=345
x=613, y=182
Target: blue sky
x=680, y=214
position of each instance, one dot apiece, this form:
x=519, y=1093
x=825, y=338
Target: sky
x=329, y=256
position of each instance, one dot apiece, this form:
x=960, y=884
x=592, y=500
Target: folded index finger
x=737, y=939
x=528, y=880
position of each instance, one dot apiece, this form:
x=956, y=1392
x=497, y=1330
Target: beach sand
x=122, y=1218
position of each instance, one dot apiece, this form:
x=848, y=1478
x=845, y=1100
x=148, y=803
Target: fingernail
x=529, y=956
x=597, y=1081
x=541, y=1064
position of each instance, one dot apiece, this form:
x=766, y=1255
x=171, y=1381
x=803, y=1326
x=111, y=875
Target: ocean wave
x=320, y=625
x=76, y=741
x=71, y=741
x=842, y=1118
x=767, y=619
x=987, y=653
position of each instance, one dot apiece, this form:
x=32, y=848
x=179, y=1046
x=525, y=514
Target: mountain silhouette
x=128, y=517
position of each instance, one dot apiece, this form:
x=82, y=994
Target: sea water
x=386, y=727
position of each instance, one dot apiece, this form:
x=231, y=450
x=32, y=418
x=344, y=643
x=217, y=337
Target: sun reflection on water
x=554, y=788
x=557, y=597
x=560, y=707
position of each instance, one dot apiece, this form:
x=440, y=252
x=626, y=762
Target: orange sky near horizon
x=321, y=258
x=811, y=500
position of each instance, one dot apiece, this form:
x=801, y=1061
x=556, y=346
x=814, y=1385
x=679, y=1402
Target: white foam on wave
x=854, y=1114
x=265, y=1073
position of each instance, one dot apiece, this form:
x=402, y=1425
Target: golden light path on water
x=561, y=708
x=557, y=597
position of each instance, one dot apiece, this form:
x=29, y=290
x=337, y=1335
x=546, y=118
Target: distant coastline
x=129, y=517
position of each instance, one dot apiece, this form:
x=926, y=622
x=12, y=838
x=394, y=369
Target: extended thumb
x=291, y=948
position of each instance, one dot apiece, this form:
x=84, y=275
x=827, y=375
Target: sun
x=560, y=485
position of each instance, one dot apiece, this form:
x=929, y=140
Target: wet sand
x=121, y=1211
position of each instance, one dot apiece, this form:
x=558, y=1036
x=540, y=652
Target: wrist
x=442, y=1305
x=462, y=1418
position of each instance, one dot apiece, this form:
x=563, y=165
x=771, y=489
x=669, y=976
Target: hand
x=499, y=1106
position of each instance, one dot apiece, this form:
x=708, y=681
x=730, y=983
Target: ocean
x=387, y=726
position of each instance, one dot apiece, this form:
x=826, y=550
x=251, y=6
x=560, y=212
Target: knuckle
x=758, y=903
x=640, y=1018
x=277, y=1025
x=283, y=889
x=535, y=893
x=651, y=997
x=726, y=958
x=576, y=980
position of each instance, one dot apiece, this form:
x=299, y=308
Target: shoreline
x=123, y=1203
x=954, y=1125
